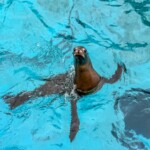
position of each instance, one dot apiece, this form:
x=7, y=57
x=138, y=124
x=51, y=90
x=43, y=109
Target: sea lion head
x=81, y=55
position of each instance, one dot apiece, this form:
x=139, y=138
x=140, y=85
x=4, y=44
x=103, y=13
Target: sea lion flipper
x=74, y=126
x=17, y=100
x=117, y=74
x=54, y=85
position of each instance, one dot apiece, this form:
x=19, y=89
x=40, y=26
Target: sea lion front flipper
x=17, y=100
x=74, y=126
x=54, y=85
x=117, y=75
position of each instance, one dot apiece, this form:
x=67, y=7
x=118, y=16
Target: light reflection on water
x=36, y=40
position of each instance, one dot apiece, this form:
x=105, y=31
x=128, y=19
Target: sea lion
x=86, y=80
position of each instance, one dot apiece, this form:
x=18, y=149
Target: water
x=36, y=41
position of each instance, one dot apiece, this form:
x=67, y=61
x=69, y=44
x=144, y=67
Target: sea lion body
x=86, y=80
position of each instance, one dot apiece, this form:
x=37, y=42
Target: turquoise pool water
x=36, y=41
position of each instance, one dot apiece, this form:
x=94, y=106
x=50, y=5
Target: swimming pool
x=36, y=41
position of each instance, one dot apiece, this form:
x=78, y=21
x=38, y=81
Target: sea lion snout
x=79, y=51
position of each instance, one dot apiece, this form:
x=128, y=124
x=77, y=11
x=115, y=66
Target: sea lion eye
x=84, y=50
x=74, y=49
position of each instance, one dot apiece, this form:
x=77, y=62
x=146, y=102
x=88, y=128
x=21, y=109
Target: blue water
x=36, y=40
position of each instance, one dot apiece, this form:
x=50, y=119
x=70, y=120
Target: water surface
x=36, y=40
